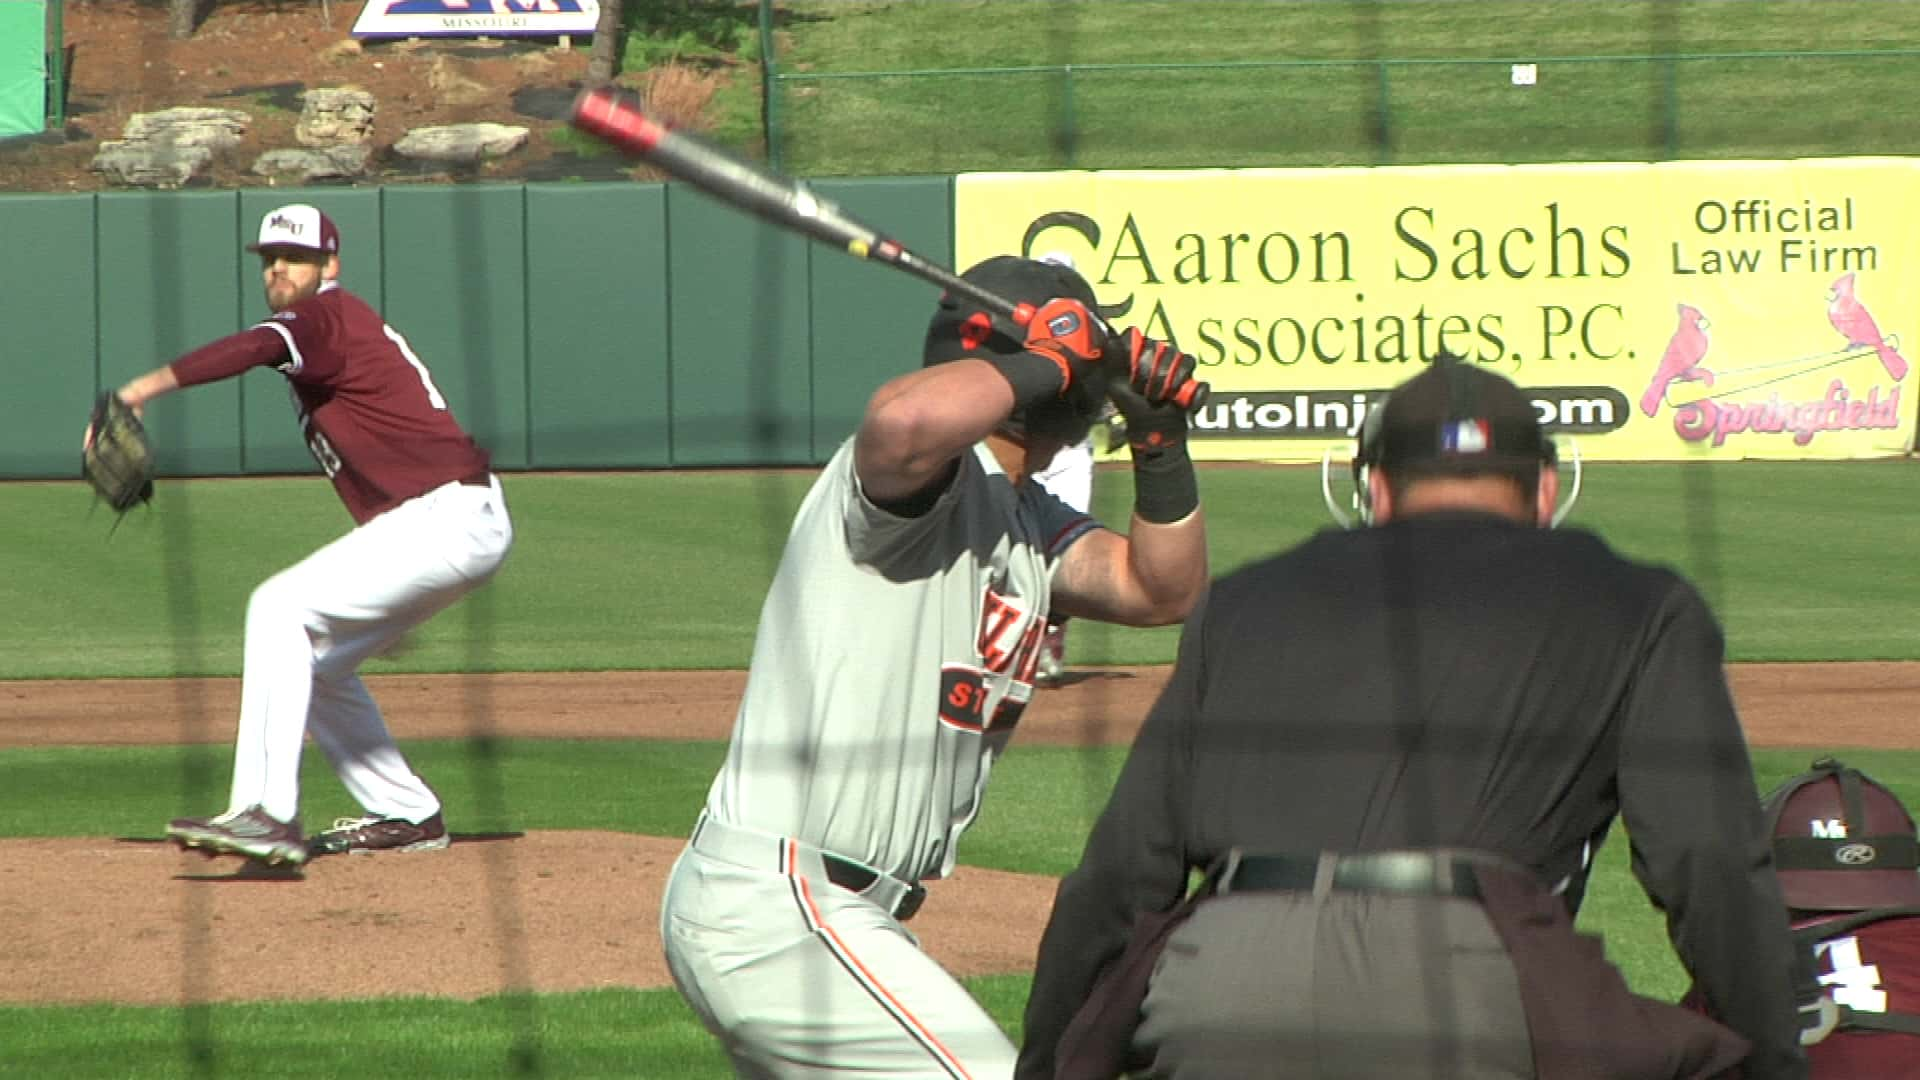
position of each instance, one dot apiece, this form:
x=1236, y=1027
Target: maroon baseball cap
x=1842, y=842
x=298, y=225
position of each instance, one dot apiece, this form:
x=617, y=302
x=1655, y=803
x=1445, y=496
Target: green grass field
x=1799, y=558
x=667, y=569
x=876, y=87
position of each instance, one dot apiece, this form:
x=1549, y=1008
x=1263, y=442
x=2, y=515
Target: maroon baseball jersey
x=370, y=412
x=1875, y=968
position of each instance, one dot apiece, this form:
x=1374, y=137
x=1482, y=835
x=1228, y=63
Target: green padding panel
x=741, y=386
x=46, y=346
x=597, y=325
x=23, y=67
x=168, y=284
x=456, y=289
x=869, y=322
x=271, y=433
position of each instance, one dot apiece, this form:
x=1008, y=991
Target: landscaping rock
x=168, y=148
x=335, y=116
x=345, y=162
x=144, y=164
x=461, y=144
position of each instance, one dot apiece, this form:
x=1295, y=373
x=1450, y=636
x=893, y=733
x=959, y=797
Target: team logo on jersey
x=1009, y=633
x=963, y=697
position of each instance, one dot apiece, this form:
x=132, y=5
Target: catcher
x=430, y=525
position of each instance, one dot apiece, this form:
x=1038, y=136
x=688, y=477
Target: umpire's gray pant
x=1351, y=985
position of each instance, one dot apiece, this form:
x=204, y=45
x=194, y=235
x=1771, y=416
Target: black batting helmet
x=960, y=327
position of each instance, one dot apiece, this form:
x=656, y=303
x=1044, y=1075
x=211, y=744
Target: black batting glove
x=1165, y=489
x=1146, y=398
x=1065, y=332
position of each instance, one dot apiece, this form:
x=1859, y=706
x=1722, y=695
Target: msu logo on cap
x=298, y=225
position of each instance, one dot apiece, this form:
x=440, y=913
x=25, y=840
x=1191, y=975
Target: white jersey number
x=323, y=452
x=1855, y=984
x=426, y=380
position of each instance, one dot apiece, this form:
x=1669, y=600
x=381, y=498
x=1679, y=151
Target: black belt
x=1402, y=873
x=855, y=878
x=483, y=478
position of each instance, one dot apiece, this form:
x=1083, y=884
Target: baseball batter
x=895, y=652
x=430, y=524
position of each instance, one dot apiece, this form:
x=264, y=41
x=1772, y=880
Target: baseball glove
x=118, y=461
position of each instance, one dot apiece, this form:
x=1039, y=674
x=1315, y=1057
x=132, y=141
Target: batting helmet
x=960, y=327
x=1842, y=842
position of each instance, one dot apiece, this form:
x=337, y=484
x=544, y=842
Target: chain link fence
x=1344, y=112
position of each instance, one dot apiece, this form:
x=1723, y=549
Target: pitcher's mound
x=140, y=922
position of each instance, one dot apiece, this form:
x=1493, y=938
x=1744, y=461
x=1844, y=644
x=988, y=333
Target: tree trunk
x=604, y=62
x=181, y=16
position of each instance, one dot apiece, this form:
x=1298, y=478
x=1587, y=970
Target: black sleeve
x=1135, y=861
x=1699, y=841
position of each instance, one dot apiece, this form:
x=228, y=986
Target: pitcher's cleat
x=251, y=832
x=369, y=834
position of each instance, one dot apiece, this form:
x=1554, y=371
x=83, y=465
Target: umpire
x=1395, y=751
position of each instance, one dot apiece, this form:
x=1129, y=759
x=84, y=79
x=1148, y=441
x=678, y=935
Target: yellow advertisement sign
x=1672, y=311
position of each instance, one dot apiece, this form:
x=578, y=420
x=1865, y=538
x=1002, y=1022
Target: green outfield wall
x=570, y=325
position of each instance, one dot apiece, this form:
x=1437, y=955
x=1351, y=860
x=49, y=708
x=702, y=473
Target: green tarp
x=23, y=67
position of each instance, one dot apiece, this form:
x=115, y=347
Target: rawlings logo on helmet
x=1854, y=854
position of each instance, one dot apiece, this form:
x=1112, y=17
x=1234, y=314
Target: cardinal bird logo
x=1856, y=324
x=1681, y=361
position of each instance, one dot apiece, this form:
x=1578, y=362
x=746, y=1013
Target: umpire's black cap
x=1454, y=417
x=960, y=327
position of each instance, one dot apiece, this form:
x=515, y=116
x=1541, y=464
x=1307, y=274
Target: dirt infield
x=550, y=911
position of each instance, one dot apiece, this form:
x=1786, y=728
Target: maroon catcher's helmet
x=1842, y=842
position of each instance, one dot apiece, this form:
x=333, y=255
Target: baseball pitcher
x=430, y=525
x=895, y=652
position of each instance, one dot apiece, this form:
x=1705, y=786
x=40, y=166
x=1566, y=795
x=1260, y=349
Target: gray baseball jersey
x=893, y=659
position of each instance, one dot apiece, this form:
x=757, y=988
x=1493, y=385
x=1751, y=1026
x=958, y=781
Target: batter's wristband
x=1164, y=487
x=1035, y=378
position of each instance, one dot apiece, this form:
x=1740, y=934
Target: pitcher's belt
x=1404, y=873
x=751, y=847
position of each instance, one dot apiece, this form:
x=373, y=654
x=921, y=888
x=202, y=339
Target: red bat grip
x=601, y=112
x=618, y=119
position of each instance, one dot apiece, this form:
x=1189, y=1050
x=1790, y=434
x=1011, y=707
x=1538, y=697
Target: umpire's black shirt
x=1446, y=680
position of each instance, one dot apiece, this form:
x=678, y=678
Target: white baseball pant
x=311, y=626
x=800, y=978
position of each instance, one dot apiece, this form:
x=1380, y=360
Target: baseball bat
x=785, y=202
